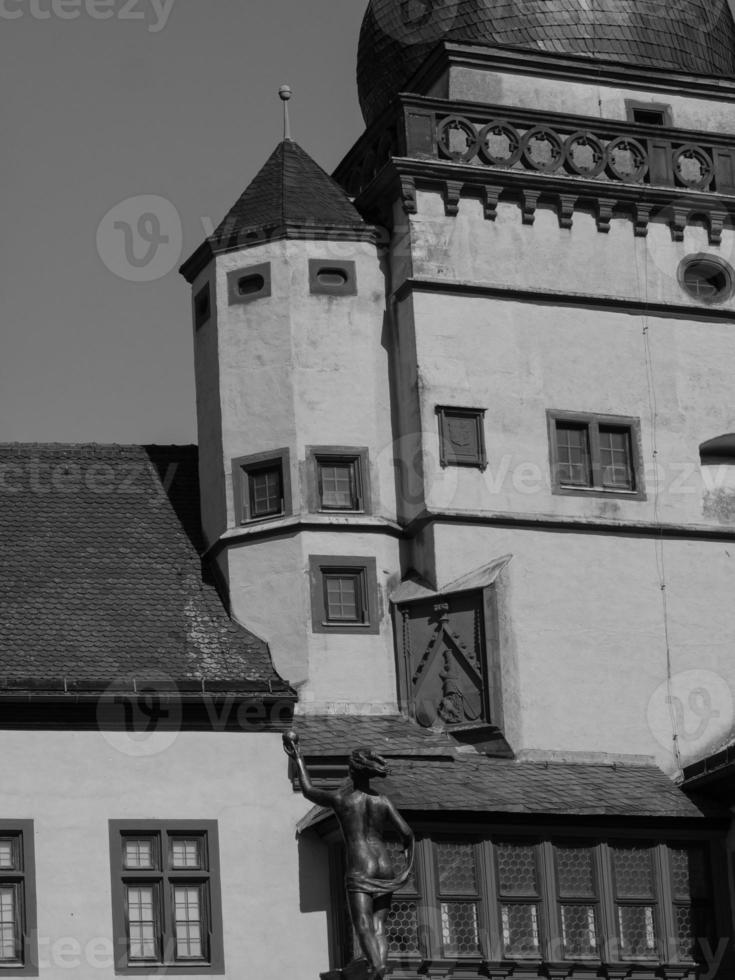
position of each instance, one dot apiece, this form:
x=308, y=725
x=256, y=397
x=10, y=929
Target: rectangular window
x=338, y=478
x=166, y=897
x=461, y=436
x=18, y=954
x=552, y=901
x=595, y=454
x=261, y=486
x=343, y=594
x=649, y=113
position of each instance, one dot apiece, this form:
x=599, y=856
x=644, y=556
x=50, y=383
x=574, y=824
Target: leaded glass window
x=635, y=905
x=457, y=886
x=518, y=891
x=554, y=900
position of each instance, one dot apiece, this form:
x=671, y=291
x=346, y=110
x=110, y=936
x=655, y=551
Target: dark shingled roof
x=100, y=576
x=290, y=189
x=431, y=771
x=508, y=786
x=694, y=36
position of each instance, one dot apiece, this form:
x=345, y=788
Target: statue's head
x=369, y=763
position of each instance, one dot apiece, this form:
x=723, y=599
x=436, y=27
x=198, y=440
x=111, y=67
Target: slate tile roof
x=430, y=771
x=100, y=576
x=509, y=786
x=390, y=735
x=291, y=196
x=290, y=189
x=694, y=36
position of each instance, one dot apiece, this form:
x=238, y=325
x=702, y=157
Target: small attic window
x=332, y=277
x=252, y=282
x=202, y=306
x=649, y=113
x=718, y=451
x=706, y=278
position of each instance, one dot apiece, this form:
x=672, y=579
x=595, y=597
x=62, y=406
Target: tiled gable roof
x=100, y=575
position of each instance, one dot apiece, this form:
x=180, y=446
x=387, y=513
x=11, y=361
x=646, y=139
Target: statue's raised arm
x=364, y=815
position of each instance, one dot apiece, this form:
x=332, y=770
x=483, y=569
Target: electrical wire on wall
x=656, y=480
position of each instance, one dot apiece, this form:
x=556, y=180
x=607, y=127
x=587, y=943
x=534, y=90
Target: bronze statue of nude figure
x=363, y=815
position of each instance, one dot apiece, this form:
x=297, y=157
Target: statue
x=363, y=814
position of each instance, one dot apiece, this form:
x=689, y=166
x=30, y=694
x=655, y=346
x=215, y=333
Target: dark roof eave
x=251, y=237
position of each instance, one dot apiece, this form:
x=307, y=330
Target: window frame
x=163, y=878
x=425, y=894
x=23, y=879
x=634, y=105
x=243, y=468
x=344, y=266
x=593, y=421
x=235, y=297
x=356, y=456
x=449, y=456
x=365, y=569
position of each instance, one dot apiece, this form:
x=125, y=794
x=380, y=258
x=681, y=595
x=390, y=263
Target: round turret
x=695, y=36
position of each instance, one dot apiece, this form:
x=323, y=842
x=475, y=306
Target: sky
x=129, y=128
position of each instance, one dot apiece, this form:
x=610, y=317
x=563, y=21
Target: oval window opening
x=706, y=280
x=249, y=285
x=332, y=277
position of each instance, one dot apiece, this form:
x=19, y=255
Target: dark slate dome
x=696, y=36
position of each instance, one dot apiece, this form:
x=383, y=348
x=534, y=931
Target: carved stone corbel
x=490, y=197
x=678, y=222
x=408, y=194
x=566, y=210
x=529, y=200
x=641, y=218
x=605, y=207
x=452, y=190
x=717, y=221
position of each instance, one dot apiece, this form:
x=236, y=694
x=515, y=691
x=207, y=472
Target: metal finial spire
x=285, y=94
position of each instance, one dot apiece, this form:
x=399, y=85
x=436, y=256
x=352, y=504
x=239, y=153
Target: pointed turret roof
x=290, y=197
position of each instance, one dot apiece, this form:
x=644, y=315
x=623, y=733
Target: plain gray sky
x=106, y=100
x=95, y=111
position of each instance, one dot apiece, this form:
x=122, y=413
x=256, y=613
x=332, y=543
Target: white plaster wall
x=582, y=98
x=271, y=595
x=517, y=360
x=298, y=369
x=586, y=628
x=209, y=413
x=580, y=260
x=71, y=783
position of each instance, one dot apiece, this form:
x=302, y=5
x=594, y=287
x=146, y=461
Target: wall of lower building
x=72, y=783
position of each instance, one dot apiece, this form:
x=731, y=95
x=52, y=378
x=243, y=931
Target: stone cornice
x=575, y=68
x=553, y=297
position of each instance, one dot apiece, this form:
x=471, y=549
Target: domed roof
x=696, y=36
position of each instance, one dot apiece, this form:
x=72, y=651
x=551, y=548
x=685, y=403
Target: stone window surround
x=209, y=876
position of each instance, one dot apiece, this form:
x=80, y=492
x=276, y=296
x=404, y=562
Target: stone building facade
x=466, y=479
